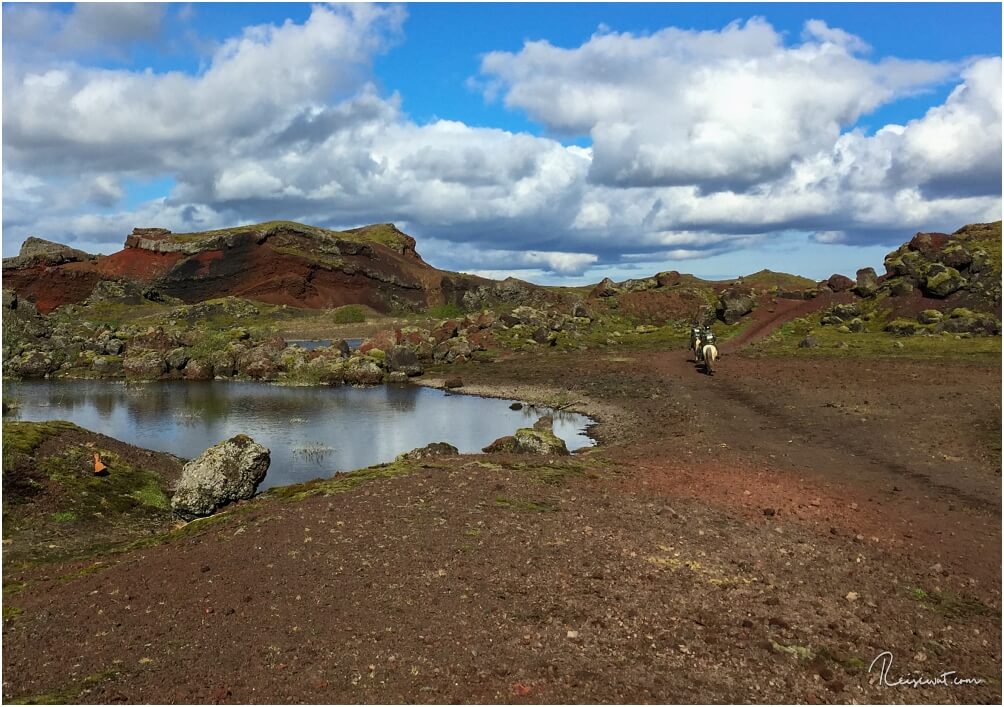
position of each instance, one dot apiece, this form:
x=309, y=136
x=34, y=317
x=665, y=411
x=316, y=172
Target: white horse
x=695, y=344
x=710, y=355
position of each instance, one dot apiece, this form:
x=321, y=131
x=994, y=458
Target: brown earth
x=756, y=536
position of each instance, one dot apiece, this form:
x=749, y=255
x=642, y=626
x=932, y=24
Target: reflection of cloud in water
x=310, y=431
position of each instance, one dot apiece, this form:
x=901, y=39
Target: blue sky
x=555, y=142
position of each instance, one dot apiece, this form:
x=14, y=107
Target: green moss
x=874, y=343
x=341, y=483
x=802, y=653
x=349, y=314
x=25, y=437
x=950, y=604
x=63, y=516
x=446, y=311
x=330, y=261
x=10, y=612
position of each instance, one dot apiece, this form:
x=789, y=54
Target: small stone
x=573, y=634
x=851, y=596
x=451, y=383
x=936, y=569
x=769, y=512
x=516, y=406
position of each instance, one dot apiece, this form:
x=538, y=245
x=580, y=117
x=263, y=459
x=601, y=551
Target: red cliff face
x=277, y=262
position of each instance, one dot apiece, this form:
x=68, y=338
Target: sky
x=558, y=143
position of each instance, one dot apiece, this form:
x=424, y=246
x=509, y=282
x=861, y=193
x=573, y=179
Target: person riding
x=707, y=336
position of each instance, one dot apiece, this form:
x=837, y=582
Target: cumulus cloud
x=702, y=143
x=726, y=110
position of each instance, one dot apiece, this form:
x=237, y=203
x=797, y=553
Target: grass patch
x=875, y=344
x=446, y=311
x=349, y=314
x=340, y=483
x=950, y=604
x=10, y=612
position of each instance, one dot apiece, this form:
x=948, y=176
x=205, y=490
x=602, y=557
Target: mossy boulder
x=539, y=439
x=941, y=280
x=528, y=441
x=904, y=327
x=227, y=472
x=930, y=316
x=429, y=451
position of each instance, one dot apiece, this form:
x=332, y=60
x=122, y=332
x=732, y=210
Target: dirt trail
x=768, y=318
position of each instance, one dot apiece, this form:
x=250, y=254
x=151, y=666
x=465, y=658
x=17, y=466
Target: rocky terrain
x=762, y=535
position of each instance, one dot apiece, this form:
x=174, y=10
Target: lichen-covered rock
x=580, y=310
x=9, y=299
x=856, y=325
x=34, y=364
x=198, y=369
x=362, y=371
x=176, y=358
x=901, y=287
x=942, y=280
x=113, y=346
x=429, y=451
x=528, y=441
x=107, y=365
x=956, y=256
x=145, y=364
x=224, y=363
x=809, y=342
x=867, y=282
x=227, y=472
x=930, y=316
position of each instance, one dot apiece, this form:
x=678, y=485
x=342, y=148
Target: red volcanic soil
x=758, y=536
x=136, y=264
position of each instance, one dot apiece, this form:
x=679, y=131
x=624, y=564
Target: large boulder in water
x=539, y=439
x=227, y=472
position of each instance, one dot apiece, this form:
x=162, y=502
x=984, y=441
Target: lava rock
x=227, y=472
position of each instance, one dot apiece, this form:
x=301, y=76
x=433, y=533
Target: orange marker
x=98, y=466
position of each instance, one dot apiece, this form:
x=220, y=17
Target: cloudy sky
x=558, y=143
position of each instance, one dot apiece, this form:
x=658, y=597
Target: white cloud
x=725, y=109
x=703, y=143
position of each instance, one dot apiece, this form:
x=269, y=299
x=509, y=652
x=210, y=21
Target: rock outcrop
x=734, y=303
x=227, y=472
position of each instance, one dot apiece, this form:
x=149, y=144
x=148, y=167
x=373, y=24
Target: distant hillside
x=278, y=262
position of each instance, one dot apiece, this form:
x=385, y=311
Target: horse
x=696, y=345
x=710, y=355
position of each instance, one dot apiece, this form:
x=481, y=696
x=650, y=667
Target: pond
x=311, y=432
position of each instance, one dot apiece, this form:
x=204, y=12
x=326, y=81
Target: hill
x=278, y=262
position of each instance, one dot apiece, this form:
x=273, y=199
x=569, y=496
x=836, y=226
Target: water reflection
x=311, y=431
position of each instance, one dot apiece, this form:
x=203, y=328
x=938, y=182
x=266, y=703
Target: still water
x=311, y=432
